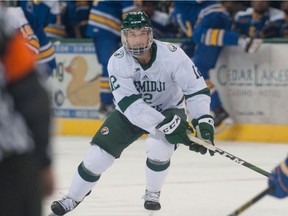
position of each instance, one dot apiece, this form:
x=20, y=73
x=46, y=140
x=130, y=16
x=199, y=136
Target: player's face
x=260, y=6
x=137, y=41
x=284, y=6
x=137, y=38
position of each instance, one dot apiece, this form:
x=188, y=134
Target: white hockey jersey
x=142, y=92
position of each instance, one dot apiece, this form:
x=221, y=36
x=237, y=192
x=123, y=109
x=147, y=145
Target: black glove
x=204, y=127
x=270, y=30
x=175, y=129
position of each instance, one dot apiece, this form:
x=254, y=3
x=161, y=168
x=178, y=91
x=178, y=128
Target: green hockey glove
x=204, y=127
x=175, y=130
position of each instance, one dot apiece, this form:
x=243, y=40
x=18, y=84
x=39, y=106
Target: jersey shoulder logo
x=119, y=54
x=172, y=47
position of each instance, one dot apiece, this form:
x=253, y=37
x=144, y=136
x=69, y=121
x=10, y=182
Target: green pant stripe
x=86, y=175
x=157, y=166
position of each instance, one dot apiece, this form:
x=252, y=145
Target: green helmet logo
x=135, y=20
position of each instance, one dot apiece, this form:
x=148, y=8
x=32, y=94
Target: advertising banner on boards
x=254, y=87
x=76, y=81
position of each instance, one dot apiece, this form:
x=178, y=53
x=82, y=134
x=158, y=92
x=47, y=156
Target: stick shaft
x=251, y=202
x=228, y=155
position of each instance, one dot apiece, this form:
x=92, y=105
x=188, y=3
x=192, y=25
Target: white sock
x=79, y=188
x=155, y=180
x=95, y=161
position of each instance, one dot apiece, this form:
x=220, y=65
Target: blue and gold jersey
x=207, y=25
x=41, y=9
x=46, y=53
x=64, y=24
x=205, y=22
x=106, y=16
x=190, y=13
x=82, y=11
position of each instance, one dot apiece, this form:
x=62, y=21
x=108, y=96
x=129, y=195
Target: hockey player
x=82, y=10
x=68, y=26
x=42, y=9
x=20, y=24
x=25, y=159
x=27, y=24
x=150, y=81
x=208, y=25
x=279, y=180
x=104, y=28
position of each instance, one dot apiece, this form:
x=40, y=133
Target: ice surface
x=196, y=185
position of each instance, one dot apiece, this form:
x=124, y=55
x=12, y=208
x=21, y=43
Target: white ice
x=196, y=185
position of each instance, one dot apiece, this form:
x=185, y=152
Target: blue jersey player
x=46, y=56
x=104, y=28
x=82, y=11
x=41, y=9
x=208, y=25
x=35, y=38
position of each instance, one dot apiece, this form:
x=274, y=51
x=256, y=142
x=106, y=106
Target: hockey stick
x=252, y=201
x=228, y=155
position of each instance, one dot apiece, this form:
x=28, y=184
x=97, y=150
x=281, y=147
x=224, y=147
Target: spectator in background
x=284, y=27
x=207, y=24
x=279, y=180
x=161, y=22
x=233, y=7
x=104, y=28
x=165, y=6
x=260, y=20
x=27, y=24
x=25, y=159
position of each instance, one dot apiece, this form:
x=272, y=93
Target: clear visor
x=137, y=41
